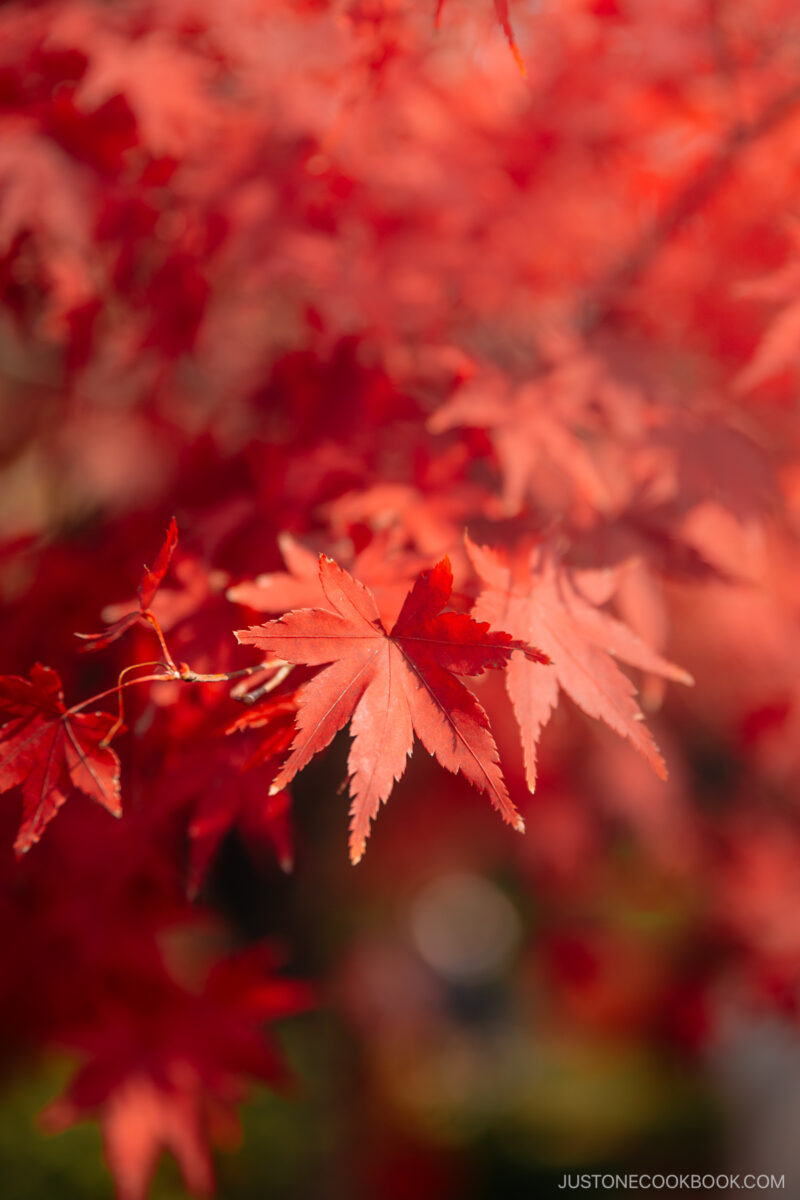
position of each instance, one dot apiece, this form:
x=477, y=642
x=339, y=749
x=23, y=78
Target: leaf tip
x=518, y=59
x=26, y=838
x=533, y=654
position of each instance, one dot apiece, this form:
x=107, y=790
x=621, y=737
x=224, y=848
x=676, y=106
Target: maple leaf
x=550, y=608
x=234, y=789
x=704, y=461
x=165, y=1074
x=277, y=714
x=386, y=572
x=148, y=586
x=431, y=518
x=50, y=751
x=648, y=531
x=391, y=686
x=536, y=427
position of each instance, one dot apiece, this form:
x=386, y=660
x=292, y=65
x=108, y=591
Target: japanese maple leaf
x=385, y=570
x=391, y=686
x=647, y=530
x=148, y=586
x=49, y=751
x=703, y=460
x=275, y=716
x=233, y=786
x=430, y=518
x=536, y=427
x=165, y=1074
x=580, y=638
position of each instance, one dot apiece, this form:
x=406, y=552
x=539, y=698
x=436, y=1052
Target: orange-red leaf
x=391, y=686
x=386, y=570
x=580, y=640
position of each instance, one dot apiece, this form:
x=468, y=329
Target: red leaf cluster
x=450, y=370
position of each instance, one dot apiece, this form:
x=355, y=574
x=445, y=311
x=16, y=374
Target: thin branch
x=151, y=618
x=250, y=698
x=120, y=721
x=163, y=678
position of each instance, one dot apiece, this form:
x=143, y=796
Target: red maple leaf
x=233, y=788
x=386, y=570
x=540, y=429
x=580, y=639
x=392, y=686
x=430, y=518
x=148, y=586
x=50, y=751
x=165, y=1073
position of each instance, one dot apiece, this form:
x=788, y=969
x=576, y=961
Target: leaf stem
x=150, y=617
x=116, y=690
